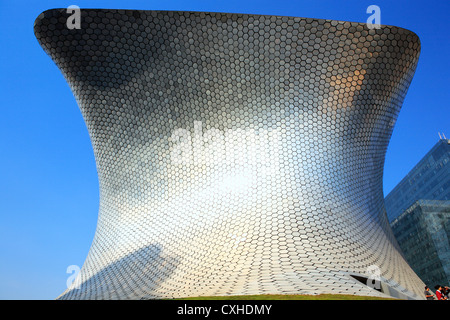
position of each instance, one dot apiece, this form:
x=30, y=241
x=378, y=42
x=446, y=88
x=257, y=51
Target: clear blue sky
x=49, y=193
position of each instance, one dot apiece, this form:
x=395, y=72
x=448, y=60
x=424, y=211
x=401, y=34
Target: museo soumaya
x=237, y=154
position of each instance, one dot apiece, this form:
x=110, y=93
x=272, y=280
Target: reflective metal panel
x=236, y=154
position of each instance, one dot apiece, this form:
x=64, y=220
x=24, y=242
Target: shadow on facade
x=135, y=276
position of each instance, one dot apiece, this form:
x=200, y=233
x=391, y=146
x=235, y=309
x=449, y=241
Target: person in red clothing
x=439, y=294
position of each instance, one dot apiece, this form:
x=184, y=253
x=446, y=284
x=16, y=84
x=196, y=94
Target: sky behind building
x=49, y=193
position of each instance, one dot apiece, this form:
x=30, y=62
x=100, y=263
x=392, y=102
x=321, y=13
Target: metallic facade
x=236, y=154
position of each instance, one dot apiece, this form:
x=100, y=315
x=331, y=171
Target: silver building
x=237, y=154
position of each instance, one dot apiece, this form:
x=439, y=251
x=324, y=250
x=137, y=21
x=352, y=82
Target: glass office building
x=418, y=209
x=424, y=228
x=429, y=179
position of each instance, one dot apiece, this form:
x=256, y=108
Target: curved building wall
x=236, y=154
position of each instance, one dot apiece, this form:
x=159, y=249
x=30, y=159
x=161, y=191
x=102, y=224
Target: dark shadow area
x=138, y=275
x=380, y=286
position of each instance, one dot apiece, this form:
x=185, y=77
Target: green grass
x=288, y=297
